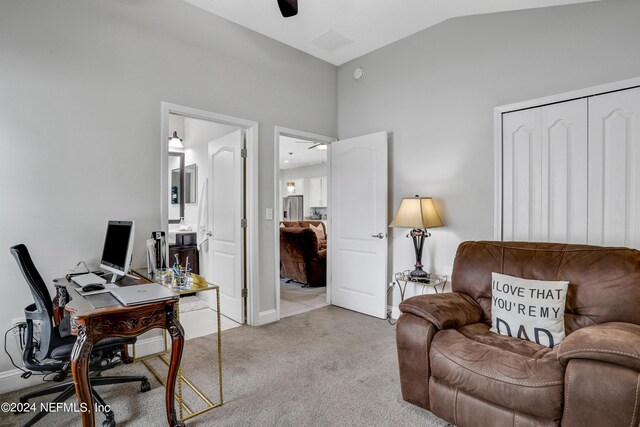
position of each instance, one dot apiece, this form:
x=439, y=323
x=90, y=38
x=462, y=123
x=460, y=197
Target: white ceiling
x=349, y=29
x=302, y=155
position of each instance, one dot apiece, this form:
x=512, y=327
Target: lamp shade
x=417, y=212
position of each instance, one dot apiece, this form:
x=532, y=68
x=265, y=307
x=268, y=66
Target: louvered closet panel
x=614, y=186
x=545, y=173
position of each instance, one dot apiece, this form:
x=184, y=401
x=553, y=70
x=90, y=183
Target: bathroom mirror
x=190, y=183
x=176, y=186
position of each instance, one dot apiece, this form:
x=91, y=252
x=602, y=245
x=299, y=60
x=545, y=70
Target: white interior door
x=614, y=174
x=545, y=173
x=358, y=242
x=564, y=172
x=521, y=175
x=225, y=252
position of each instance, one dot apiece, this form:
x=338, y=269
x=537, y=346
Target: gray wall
x=81, y=82
x=435, y=92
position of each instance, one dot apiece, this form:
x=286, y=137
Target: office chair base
x=68, y=392
x=95, y=381
x=67, y=389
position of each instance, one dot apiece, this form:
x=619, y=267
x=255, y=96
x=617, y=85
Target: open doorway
x=303, y=219
x=208, y=209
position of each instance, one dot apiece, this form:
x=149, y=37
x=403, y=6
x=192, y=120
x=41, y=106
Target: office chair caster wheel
x=21, y=410
x=22, y=407
x=145, y=386
x=109, y=423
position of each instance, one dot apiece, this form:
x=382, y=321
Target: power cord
x=25, y=374
x=389, y=318
x=21, y=326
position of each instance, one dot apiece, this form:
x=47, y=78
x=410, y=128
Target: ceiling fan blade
x=288, y=8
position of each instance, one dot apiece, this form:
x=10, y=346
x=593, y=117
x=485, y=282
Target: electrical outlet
x=14, y=322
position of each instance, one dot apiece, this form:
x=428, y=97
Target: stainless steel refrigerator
x=293, y=208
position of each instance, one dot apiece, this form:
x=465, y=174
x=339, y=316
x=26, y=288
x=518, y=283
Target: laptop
x=141, y=294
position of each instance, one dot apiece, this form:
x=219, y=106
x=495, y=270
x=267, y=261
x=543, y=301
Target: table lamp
x=417, y=213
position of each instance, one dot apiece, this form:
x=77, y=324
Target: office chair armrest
x=59, y=301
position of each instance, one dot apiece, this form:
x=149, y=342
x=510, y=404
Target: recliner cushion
x=517, y=374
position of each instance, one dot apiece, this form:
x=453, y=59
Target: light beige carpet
x=326, y=367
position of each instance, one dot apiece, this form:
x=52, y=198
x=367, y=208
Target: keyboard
x=87, y=279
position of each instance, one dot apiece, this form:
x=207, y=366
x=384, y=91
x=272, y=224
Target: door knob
x=379, y=235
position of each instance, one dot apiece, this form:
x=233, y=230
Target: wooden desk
x=94, y=324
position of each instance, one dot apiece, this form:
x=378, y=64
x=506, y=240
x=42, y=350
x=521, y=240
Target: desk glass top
x=199, y=283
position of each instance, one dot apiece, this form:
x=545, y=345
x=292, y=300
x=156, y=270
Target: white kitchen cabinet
x=318, y=192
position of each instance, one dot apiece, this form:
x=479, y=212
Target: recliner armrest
x=446, y=311
x=615, y=342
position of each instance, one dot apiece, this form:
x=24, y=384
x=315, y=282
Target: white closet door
x=521, y=175
x=564, y=172
x=614, y=190
x=545, y=173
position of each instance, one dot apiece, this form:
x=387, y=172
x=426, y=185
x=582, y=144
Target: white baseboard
x=395, y=312
x=10, y=380
x=267, y=316
x=147, y=346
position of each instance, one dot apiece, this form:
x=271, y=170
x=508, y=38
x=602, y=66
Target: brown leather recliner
x=322, y=241
x=300, y=258
x=453, y=366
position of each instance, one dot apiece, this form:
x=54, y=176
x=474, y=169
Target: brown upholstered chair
x=300, y=258
x=453, y=366
x=322, y=241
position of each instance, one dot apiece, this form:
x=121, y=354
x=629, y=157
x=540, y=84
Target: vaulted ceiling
x=338, y=31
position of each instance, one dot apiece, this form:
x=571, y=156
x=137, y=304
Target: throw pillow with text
x=528, y=309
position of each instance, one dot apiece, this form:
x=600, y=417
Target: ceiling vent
x=331, y=40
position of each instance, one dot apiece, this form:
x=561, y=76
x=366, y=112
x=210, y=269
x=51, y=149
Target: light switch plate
x=268, y=214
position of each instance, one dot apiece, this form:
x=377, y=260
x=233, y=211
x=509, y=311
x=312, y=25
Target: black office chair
x=51, y=353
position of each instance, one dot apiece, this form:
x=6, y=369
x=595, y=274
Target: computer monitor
x=118, y=246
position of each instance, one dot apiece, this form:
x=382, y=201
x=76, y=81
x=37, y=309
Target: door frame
x=298, y=134
x=498, y=112
x=251, y=261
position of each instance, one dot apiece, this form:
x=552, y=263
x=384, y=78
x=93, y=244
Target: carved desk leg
x=177, y=343
x=80, y=370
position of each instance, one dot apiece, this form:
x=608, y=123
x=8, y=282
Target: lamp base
x=419, y=272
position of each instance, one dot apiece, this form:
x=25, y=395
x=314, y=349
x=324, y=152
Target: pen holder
x=164, y=276
x=183, y=279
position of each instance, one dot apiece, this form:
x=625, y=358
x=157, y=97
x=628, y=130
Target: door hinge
x=245, y=293
x=243, y=153
x=243, y=222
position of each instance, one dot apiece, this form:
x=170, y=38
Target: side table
x=402, y=278
x=433, y=281
x=199, y=285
